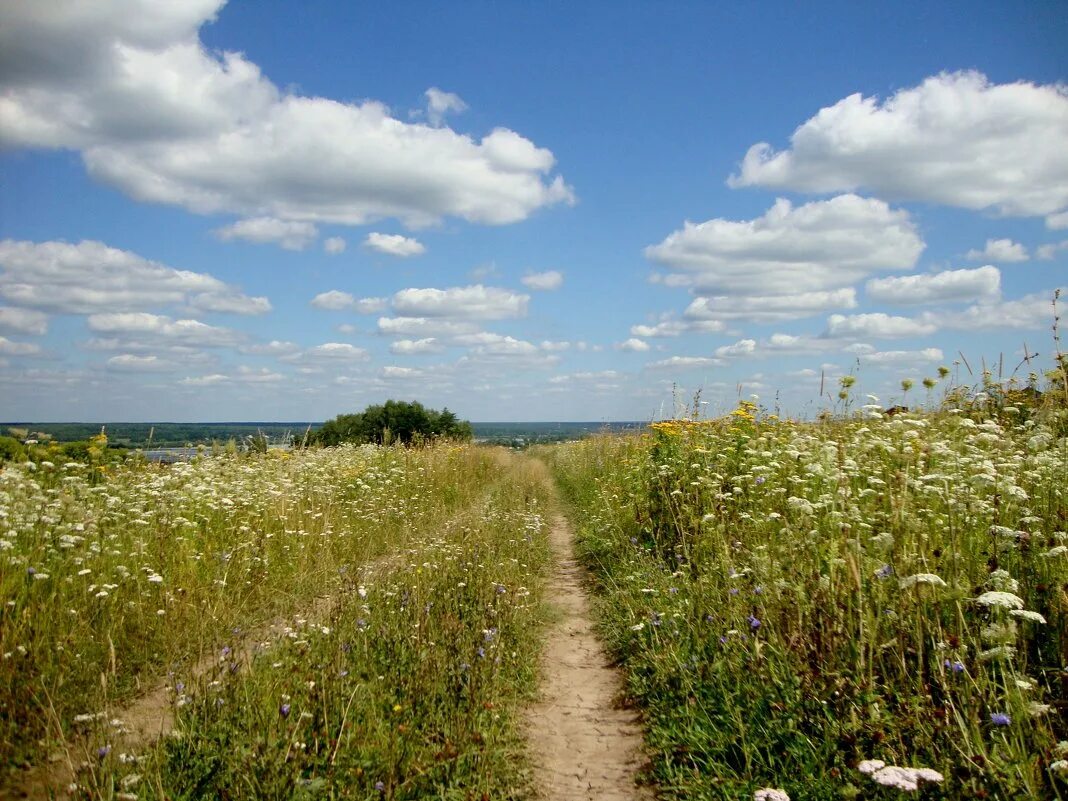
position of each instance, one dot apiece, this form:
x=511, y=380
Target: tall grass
x=409, y=690
x=108, y=584
x=794, y=601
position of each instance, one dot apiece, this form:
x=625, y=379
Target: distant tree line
x=406, y=422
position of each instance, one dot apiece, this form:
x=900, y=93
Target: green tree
x=406, y=422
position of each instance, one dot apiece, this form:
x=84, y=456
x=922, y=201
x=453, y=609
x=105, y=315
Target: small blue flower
x=1000, y=719
x=380, y=786
x=30, y=571
x=673, y=590
x=754, y=622
x=734, y=590
x=103, y=751
x=955, y=666
x=361, y=623
x=760, y=480
x=884, y=572
x=501, y=589
x=284, y=710
x=758, y=590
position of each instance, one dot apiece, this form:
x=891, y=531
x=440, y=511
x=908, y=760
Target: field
x=850, y=608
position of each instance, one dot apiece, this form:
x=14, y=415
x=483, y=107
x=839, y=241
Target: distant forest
x=176, y=435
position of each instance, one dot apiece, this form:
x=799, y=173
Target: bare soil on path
x=585, y=746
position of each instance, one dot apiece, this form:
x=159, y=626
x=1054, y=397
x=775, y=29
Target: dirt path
x=585, y=747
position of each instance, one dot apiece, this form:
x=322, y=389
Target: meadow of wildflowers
x=861, y=607
x=406, y=579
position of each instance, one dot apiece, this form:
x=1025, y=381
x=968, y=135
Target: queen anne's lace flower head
x=1004, y=600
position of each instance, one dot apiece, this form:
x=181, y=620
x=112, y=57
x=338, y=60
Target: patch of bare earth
x=585, y=745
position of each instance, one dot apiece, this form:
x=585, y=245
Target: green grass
x=789, y=600
x=109, y=585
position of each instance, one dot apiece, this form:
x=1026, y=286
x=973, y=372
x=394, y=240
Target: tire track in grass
x=584, y=745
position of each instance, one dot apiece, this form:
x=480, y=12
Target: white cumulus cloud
x=154, y=112
x=408, y=347
x=944, y=287
x=289, y=234
x=633, y=345
x=877, y=325
x=23, y=321
x=955, y=139
x=999, y=250
x=820, y=246
x=439, y=103
x=394, y=245
x=475, y=302
x=334, y=245
x=770, y=308
x=90, y=277
x=546, y=281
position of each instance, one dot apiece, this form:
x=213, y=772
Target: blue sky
x=279, y=211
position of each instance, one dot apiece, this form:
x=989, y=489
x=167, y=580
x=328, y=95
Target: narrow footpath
x=584, y=746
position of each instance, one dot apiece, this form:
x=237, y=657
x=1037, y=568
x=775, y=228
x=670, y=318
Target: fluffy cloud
x=771, y=308
x=423, y=327
x=24, y=321
x=1031, y=312
x=674, y=328
x=130, y=363
x=392, y=371
x=947, y=286
x=394, y=245
x=1049, y=252
x=743, y=347
x=336, y=300
x=9, y=347
x=633, y=345
x=334, y=245
x=90, y=277
x=470, y=303
x=955, y=139
x=546, y=281
x=332, y=352
x=877, y=325
x=273, y=348
x=289, y=234
x=999, y=250
x=157, y=327
x=1057, y=222
x=439, y=103
x=407, y=347
x=129, y=84
x=820, y=246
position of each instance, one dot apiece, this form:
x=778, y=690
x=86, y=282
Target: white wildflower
x=770, y=794
x=1035, y=709
x=1059, y=550
x=1027, y=614
x=907, y=779
x=1005, y=600
x=869, y=766
x=922, y=578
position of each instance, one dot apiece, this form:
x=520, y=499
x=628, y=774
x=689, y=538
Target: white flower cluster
x=905, y=779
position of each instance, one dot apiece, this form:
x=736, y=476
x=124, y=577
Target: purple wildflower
x=361, y=623
x=501, y=589
x=760, y=480
x=30, y=571
x=955, y=666
x=884, y=572
x=481, y=652
x=734, y=590
x=103, y=751
x=1000, y=719
x=673, y=590
x=380, y=786
x=284, y=710
x=754, y=622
